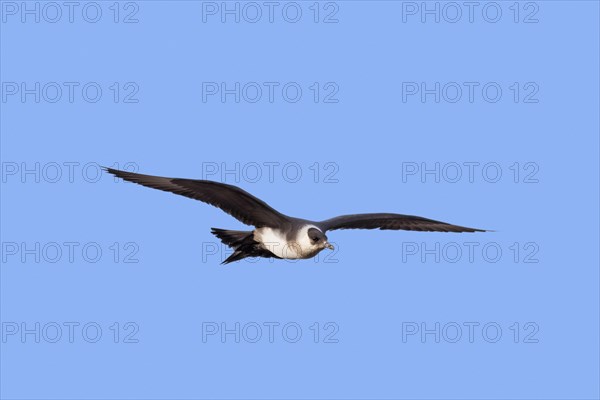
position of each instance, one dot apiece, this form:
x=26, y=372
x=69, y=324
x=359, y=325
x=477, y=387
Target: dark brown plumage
x=391, y=221
x=234, y=201
x=284, y=230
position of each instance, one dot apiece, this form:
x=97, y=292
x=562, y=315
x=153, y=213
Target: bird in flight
x=277, y=235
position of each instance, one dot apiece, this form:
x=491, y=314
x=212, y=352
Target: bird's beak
x=329, y=246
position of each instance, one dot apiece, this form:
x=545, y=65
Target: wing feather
x=234, y=201
x=391, y=221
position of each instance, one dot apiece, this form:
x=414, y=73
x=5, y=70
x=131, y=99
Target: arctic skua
x=277, y=235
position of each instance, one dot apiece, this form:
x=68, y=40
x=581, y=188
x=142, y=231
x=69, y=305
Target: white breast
x=276, y=242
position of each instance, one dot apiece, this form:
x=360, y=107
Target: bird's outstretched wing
x=390, y=221
x=234, y=201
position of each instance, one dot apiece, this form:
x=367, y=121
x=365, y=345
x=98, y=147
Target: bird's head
x=318, y=239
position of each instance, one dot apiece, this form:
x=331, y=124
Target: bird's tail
x=231, y=238
x=239, y=241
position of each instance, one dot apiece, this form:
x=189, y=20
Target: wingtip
x=473, y=230
x=116, y=172
x=464, y=229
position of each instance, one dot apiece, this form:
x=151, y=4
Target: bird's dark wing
x=231, y=199
x=390, y=221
